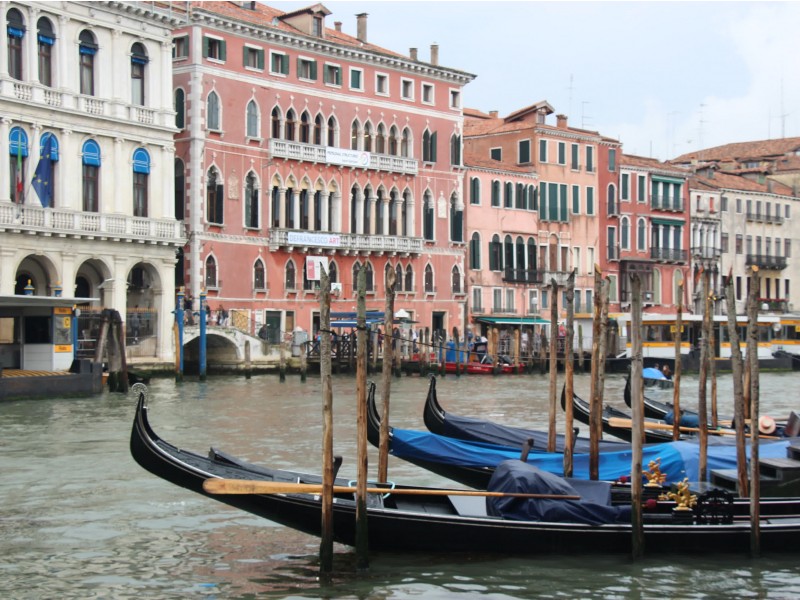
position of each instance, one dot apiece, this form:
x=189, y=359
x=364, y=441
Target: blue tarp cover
x=514, y=476
x=651, y=373
x=678, y=459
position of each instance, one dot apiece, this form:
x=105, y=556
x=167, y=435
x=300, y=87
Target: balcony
x=759, y=218
x=499, y=310
x=328, y=155
x=668, y=254
x=706, y=253
x=345, y=243
x=78, y=224
x=666, y=203
x=762, y=261
x=625, y=295
x=512, y=275
x=561, y=277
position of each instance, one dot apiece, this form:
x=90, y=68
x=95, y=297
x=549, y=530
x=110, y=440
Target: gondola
x=653, y=378
x=420, y=522
x=472, y=463
x=655, y=409
x=441, y=422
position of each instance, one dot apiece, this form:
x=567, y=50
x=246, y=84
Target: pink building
x=300, y=140
x=647, y=232
x=542, y=218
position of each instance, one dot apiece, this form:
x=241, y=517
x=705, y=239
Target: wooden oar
x=249, y=486
x=618, y=422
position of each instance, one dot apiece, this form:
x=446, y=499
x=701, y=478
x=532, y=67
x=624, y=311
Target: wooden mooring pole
x=676, y=378
x=738, y=391
x=386, y=378
x=637, y=414
x=326, y=543
x=569, y=367
x=551, y=428
x=752, y=360
x=702, y=406
x=362, y=534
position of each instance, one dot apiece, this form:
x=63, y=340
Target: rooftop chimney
x=361, y=20
x=493, y=114
x=561, y=121
x=413, y=53
x=435, y=55
x=338, y=26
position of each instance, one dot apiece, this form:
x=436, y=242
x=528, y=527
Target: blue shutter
x=91, y=153
x=18, y=142
x=141, y=161
x=53, y=146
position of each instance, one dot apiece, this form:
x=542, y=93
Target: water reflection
x=80, y=519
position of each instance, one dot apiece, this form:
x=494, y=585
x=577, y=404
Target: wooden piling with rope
x=551, y=428
x=752, y=360
x=326, y=543
x=569, y=376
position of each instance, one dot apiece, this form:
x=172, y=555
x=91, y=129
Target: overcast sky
x=664, y=78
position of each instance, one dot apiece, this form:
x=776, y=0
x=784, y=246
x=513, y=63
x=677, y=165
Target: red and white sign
x=314, y=266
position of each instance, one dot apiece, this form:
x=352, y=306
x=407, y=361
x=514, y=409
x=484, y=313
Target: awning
x=352, y=323
x=512, y=320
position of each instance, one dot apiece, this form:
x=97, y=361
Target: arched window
x=259, y=275
x=428, y=222
x=139, y=62
x=520, y=201
x=212, y=112
x=408, y=286
x=180, y=108
x=508, y=252
x=455, y=150
x=393, y=212
x=613, y=209
x=308, y=284
x=405, y=211
x=405, y=144
x=333, y=272
x=519, y=257
x=475, y=252
x=276, y=123
x=398, y=278
x=386, y=270
x=319, y=123
x=214, y=197
x=354, y=135
x=16, y=31
x=532, y=199
x=380, y=139
x=251, y=212
x=304, y=209
x=290, y=281
x=46, y=39
x=641, y=235
x=141, y=175
x=455, y=276
x=288, y=203
x=474, y=191
x=354, y=192
x=305, y=128
x=429, y=289
x=531, y=259
x=367, y=137
x=380, y=213
x=370, y=278
x=495, y=254
x=180, y=189
x=456, y=220
x=624, y=233
x=392, y=150
x=87, y=50
x=252, y=120
x=91, y=176
x=290, y=124
x=509, y=195
x=495, y=193
x=332, y=130
x=429, y=146
x=211, y=272
x=356, y=269
x=44, y=175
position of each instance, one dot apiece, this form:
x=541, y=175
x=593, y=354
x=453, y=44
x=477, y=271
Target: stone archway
x=143, y=298
x=40, y=272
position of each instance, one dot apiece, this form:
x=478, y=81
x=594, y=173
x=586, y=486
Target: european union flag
x=43, y=176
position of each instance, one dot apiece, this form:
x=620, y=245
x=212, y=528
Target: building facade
x=86, y=188
x=299, y=140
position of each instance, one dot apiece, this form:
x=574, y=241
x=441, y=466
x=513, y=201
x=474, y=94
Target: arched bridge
x=224, y=345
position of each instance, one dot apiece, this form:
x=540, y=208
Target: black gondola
x=441, y=422
x=451, y=523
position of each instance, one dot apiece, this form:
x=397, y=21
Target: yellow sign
x=673, y=328
x=67, y=322
x=63, y=348
x=797, y=328
x=62, y=310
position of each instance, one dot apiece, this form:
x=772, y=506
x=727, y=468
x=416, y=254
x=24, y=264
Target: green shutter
x=563, y=202
x=542, y=200
x=589, y=200
x=261, y=59
x=205, y=46
x=433, y=147
x=576, y=199
x=314, y=70
x=222, y=51
x=285, y=65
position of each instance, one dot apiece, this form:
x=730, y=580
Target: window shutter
x=543, y=201
x=563, y=190
x=261, y=59
x=222, y=52
x=314, y=70
x=205, y=47
x=433, y=147
x=219, y=203
x=285, y=65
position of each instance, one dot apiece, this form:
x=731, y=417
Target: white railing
x=357, y=242
x=36, y=219
x=312, y=153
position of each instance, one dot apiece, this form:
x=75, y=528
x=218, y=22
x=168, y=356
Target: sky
x=663, y=78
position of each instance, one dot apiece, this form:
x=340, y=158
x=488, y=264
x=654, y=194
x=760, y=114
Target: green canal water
x=80, y=519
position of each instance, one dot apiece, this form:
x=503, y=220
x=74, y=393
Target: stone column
x=8, y=271
x=282, y=208
x=296, y=207
x=5, y=162
x=385, y=225
x=311, y=213
x=113, y=182
x=360, y=212
x=68, y=189
x=411, y=217
x=324, y=201
x=165, y=171
x=372, y=210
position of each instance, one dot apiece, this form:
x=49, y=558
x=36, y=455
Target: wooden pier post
x=595, y=397
x=581, y=365
x=326, y=543
x=362, y=534
x=456, y=345
x=637, y=416
x=248, y=365
x=517, y=354
x=543, y=346
x=569, y=367
x=676, y=378
x=738, y=392
x=551, y=428
x=304, y=360
x=386, y=378
x=752, y=360
x=282, y=361
x=702, y=406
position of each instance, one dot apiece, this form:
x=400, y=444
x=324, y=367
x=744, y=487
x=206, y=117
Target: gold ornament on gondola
x=684, y=498
x=655, y=478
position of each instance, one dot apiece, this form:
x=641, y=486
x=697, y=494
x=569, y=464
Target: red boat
x=479, y=368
